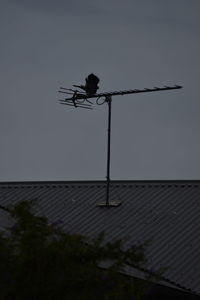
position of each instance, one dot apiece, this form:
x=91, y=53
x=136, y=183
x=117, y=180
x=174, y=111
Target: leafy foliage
x=39, y=260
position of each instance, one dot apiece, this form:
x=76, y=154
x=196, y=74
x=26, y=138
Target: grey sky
x=128, y=44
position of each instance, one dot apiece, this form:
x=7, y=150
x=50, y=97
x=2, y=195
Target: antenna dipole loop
x=102, y=101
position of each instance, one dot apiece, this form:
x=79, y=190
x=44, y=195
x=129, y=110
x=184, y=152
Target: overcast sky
x=129, y=44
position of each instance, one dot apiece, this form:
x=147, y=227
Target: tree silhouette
x=39, y=260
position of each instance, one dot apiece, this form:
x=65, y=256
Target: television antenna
x=81, y=99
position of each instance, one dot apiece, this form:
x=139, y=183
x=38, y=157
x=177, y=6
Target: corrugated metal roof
x=165, y=212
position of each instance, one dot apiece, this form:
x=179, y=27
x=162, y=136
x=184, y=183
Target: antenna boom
x=80, y=95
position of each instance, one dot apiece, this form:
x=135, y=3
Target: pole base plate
x=110, y=204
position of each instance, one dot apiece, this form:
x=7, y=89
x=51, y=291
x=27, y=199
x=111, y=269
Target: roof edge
x=124, y=181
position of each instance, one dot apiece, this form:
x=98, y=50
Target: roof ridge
x=142, y=181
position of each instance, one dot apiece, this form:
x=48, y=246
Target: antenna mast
x=108, y=99
x=79, y=99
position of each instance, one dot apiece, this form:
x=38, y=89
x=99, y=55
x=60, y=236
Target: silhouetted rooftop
x=165, y=212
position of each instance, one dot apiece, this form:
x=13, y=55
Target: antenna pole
x=108, y=100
